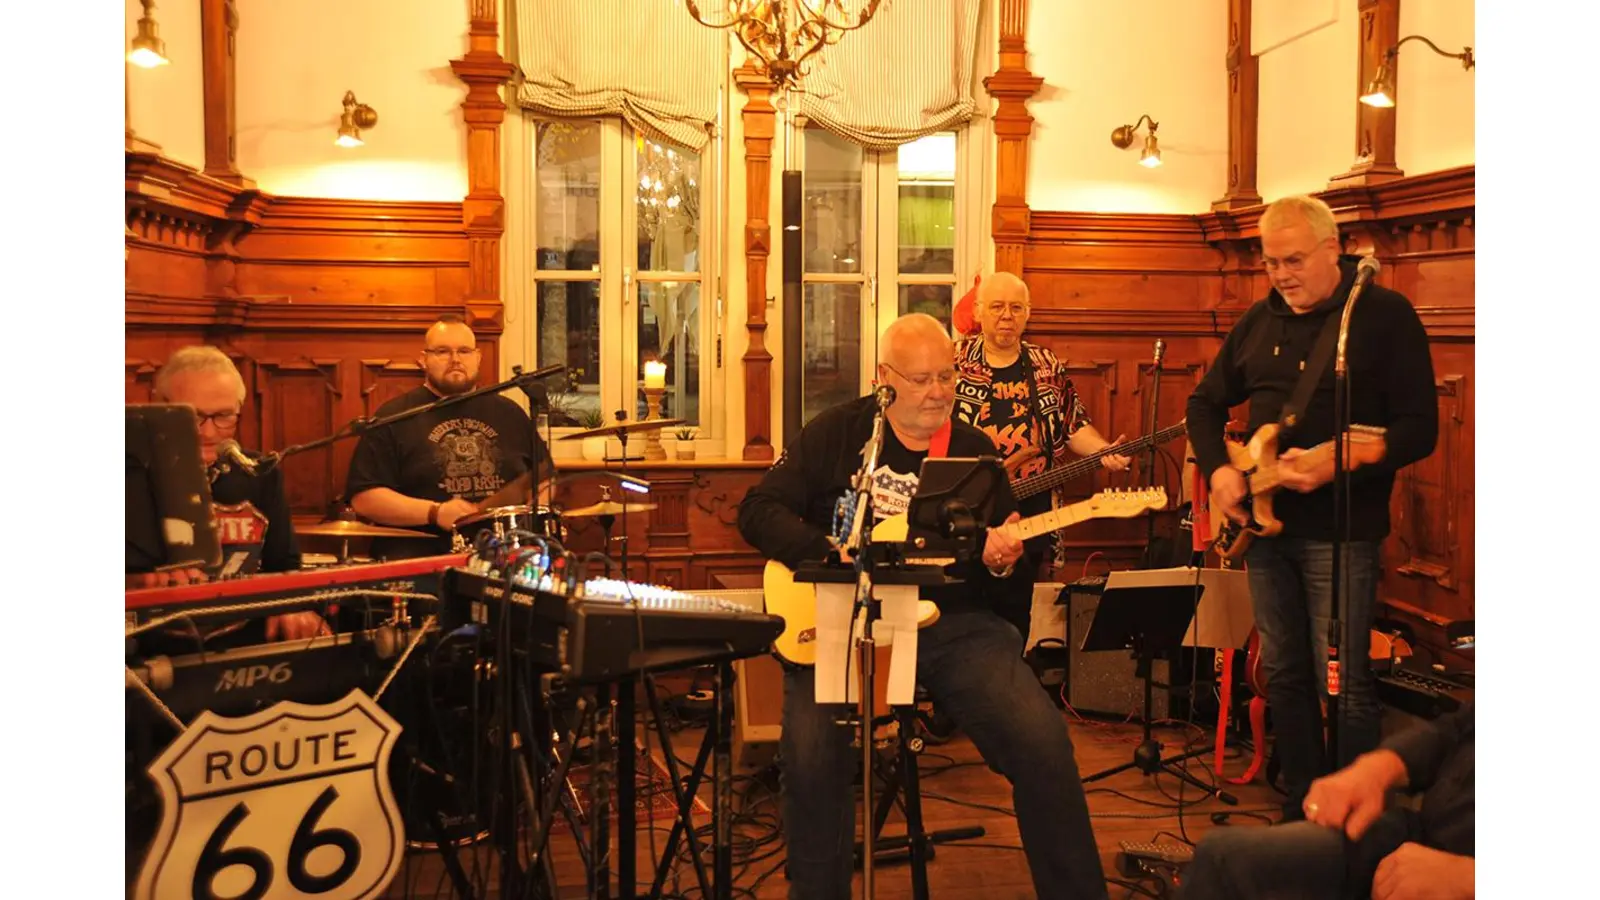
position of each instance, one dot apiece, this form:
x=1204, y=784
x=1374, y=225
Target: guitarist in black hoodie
x=1391, y=385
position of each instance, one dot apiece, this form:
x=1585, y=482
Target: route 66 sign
x=289, y=802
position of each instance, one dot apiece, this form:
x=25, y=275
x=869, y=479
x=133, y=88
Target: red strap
x=939, y=444
x=1200, y=513
x=1225, y=706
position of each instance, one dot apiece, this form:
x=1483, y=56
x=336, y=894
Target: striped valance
x=648, y=62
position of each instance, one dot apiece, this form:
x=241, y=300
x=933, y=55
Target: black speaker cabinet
x=1102, y=682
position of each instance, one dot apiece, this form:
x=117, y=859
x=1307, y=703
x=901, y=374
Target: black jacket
x=789, y=514
x=1391, y=385
x=1440, y=762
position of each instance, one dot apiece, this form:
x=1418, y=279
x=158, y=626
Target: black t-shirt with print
x=255, y=526
x=469, y=450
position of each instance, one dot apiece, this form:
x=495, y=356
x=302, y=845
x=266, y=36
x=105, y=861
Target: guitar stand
x=916, y=844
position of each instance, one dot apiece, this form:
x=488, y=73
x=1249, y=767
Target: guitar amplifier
x=1103, y=682
x=757, y=695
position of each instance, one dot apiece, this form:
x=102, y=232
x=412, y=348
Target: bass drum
x=505, y=521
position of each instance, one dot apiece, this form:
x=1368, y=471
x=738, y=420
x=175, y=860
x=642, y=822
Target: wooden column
x=1012, y=85
x=483, y=210
x=219, y=23
x=1244, y=83
x=760, y=122
x=1379, y=25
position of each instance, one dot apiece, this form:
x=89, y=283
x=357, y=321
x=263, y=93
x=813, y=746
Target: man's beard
x=447, y=389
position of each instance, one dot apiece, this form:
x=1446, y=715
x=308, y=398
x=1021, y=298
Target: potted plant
x=593, y=447
x=686, y=442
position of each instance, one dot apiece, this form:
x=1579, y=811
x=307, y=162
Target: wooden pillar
x=1012, y=85
x=1244, y=83
x=1379, y=24
x=483, y=210
x=219, y=24
x=760, y=123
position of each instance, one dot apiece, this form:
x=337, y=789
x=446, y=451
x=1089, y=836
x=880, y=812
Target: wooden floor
x=958, y=790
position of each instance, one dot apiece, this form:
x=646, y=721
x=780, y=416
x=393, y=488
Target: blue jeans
x=1291, y=589
x=971, y=664
x=1298, y=861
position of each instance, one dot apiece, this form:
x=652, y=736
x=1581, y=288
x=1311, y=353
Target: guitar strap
x=939, y=444
x=1316, y=364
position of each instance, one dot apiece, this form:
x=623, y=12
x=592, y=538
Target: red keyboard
x=415, y=576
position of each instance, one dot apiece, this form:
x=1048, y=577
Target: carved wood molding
x=1244, y=89
x=760, y=123
x=1438, y=564
x=1378, y=29
x=483, y=210
x=1012, y=85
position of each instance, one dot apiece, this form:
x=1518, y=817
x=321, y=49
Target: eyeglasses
x=924, y=380
x=221, y=419
x=1293, y=263
x=1017, y=310
x=446, y=352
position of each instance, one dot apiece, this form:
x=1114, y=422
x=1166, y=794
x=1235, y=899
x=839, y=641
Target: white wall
x=1306, y=124
x=166, y=105
x=1435, y=112
x=1104, y=64
x=296, y=59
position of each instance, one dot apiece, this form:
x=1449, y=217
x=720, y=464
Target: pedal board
x=1140, y=859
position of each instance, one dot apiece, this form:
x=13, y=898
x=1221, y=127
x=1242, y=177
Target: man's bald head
x=917, y=359
x=450, y=356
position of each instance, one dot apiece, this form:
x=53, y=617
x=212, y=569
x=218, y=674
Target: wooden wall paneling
x=1121, y=261
x=1012, y=85
x=1378, y=30
x=297, y=401
x=383, y=380
x=759, y=119
x=1244, y=84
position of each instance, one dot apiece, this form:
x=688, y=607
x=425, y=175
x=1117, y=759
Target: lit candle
x=655, y=375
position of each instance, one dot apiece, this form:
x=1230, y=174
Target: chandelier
x=785, y=33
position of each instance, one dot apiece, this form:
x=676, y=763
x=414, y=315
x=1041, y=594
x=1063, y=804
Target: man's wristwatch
x=1003, y=573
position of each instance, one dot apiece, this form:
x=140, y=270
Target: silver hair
x=197, y=358
x=1301, y=208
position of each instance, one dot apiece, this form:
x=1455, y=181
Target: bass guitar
x=796, y=601
x=1258, y=460
x=1054, y=478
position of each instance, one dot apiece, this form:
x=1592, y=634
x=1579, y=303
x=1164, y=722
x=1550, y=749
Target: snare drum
x=504, y=521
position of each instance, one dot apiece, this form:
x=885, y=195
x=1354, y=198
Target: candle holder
x=652, y=438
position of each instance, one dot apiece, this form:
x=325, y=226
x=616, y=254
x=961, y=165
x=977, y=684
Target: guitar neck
x=1054, y=478
x=1044, y=523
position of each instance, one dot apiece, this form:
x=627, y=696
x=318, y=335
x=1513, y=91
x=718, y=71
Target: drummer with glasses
x=429, y=471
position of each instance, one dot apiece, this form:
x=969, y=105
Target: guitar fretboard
x=1054, y=478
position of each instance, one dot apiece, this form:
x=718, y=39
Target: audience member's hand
x=1001, y=549
x=1352, y=798
x=298, y=626
x=454, y=509
x=1415, y=872
x=168, y=578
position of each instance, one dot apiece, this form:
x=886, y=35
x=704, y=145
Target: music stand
x=1154, y=612
x=169, y=520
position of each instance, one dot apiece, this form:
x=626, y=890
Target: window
x=618, y=270
x=883, y=235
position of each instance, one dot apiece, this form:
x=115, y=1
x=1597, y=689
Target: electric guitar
x=1258, y=460
x=1054, y=478
x=796, y=601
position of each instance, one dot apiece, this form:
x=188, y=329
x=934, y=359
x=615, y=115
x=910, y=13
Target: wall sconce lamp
x=356, y=117
x=1380, y=93
x=1122, y=137
x=149, y=50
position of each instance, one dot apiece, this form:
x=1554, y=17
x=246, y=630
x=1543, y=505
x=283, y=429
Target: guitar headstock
x=1119, y=503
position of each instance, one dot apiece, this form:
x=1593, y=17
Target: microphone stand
x=1150, y=464
x=363, y=424
x=856, y=542
x=1341, y=512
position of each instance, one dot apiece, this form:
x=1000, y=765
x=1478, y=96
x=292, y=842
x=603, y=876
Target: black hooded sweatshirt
x=1390, y=381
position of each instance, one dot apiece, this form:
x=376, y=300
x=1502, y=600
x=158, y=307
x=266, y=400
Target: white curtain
x=647, y=61
x=907, y=74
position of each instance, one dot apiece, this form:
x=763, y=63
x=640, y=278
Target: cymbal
x=622, y=428
x=607, y=508
x=344, y=528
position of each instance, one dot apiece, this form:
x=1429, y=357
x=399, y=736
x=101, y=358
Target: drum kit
x=498, y=514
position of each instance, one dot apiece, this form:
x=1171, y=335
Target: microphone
x=1367, y=269
x=232, y=452
x=885, y=395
